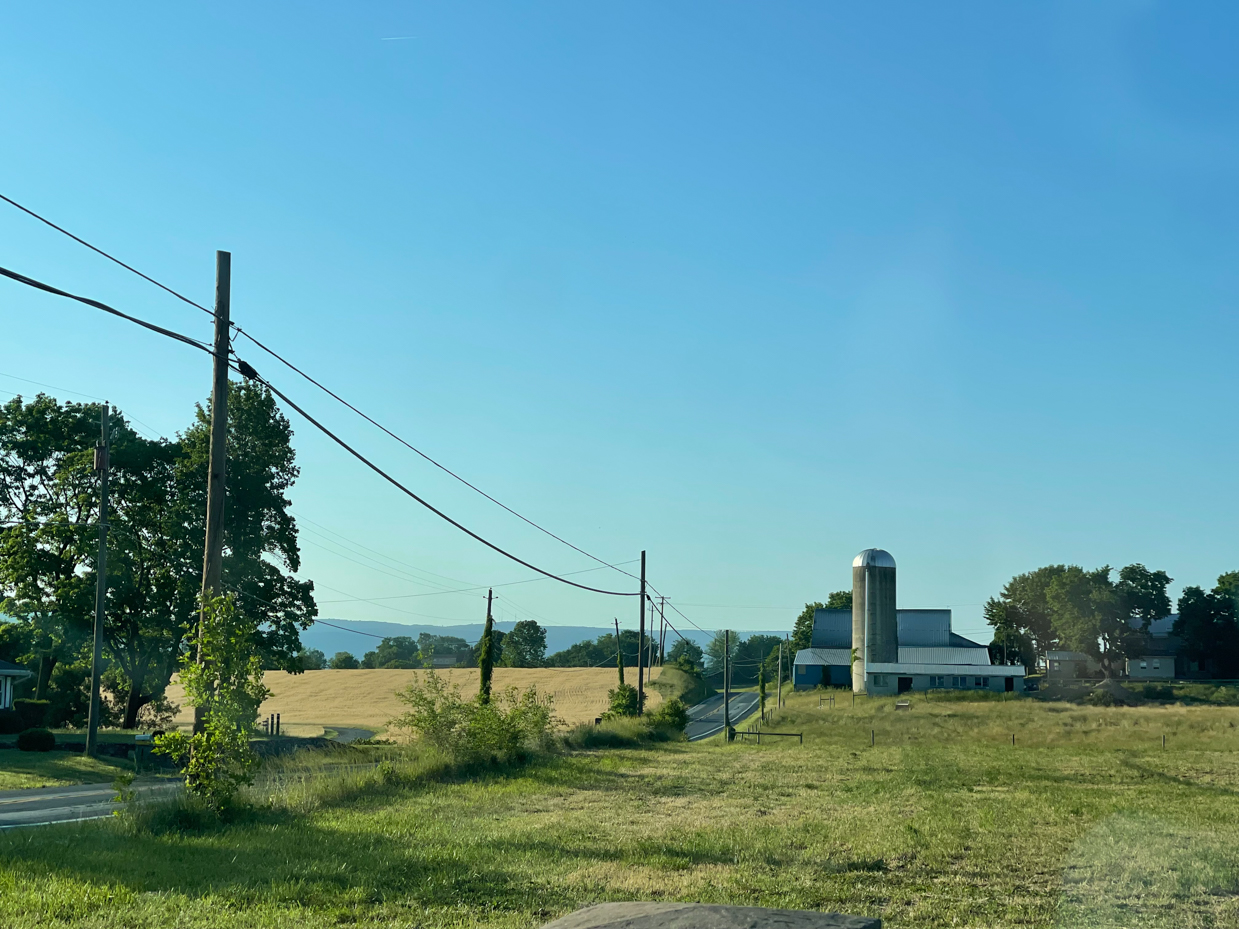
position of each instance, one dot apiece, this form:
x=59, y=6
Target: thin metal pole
x=213, y=554
x=102, y=465
x=641, y=642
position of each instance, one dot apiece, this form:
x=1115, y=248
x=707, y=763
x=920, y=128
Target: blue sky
x=752, y=287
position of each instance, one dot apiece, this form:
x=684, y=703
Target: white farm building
x=895, y=650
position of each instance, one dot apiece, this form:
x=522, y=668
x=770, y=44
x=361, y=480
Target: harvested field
x=367, y=698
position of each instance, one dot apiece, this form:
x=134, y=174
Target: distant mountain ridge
x=361, y=636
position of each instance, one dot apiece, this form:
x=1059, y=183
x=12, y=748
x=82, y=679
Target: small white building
x=10, y=674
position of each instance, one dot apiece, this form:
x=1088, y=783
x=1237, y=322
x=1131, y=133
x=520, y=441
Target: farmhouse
x=894, y=650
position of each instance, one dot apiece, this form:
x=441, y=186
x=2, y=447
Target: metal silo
x=875, y=624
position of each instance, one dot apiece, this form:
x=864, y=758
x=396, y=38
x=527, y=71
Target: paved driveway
x=706, y=718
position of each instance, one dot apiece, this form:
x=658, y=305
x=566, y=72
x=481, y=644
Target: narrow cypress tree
x=486, y=656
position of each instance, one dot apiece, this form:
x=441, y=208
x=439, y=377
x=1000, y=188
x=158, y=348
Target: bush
x=623, y=702
x=1158, y=692
x=34, y=713
x=470, y=730
x=11, y=722
x=399, y=664
x=36, y=740
x=1100, y=697
x=673, y=714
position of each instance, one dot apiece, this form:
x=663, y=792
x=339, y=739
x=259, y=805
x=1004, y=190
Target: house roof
x=8, y=669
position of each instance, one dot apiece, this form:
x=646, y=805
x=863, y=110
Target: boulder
x=705, y=916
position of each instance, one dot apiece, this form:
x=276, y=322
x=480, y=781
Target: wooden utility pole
x=102, y=465
x=778, y=702
x=641, y=642
x=726, y=686
x=619, y=652
x=213, y=555
x=662, y=630
x=486, y=657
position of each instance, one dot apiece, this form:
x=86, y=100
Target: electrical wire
x=319, y=385
x=100, y=251
x=39, y=285
x=242, y=369
x=418, y=451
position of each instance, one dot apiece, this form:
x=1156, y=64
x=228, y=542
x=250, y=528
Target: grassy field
x=21, y=770
x=1084, y=822
x=367, y=698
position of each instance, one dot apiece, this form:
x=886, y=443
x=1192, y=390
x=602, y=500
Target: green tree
x=689, y=651
x=486, y=658
x=716, y=648
x=311, y=659
x=399, y=648
x=802, y=631
x=525, y=645
x=343, y=661
x=227, y=685
x=1207, y=626
x=1086, y=614
x=1142, y=595
x=1022, y=610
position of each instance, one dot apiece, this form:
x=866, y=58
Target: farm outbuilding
x=878, y=648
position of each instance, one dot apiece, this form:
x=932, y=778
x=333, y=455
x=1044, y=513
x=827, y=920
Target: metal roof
x=973, y=657
x=832, y=629
x=873, y=558
x=911, y=667
x=824, y=656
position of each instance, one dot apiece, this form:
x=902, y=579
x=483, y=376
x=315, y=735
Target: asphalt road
x=46, y=805
x=706, y=718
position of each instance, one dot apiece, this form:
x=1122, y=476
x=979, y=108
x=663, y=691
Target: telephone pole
x=619, y=649
x=662, y=630
x=101, y=582
x=779, y=699
x=726, y=686
x=641, y=642
x=213, y=555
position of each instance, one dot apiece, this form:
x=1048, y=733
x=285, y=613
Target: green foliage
x=671, y=714
x=687, y=686
x=430, y=646
x=1207, y=625
x=600, y=651
x=228, y=687
x=623, y=702
x=393, y=648
x=486, y=658
x=761, y=689
x=311, y=659
x=36, y=740
x=839, y=600
x=34, y=713
x=525, y=645
x=686, y=654
x=344, y=661
x=11, y=722
x=802, y=632
x=472, y=730
x=1142, y=595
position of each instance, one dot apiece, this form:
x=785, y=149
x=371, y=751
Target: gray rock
x=702, y=916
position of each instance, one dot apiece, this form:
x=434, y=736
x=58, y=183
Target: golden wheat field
x=367, y=698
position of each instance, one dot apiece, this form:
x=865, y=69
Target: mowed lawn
x=1085, y=821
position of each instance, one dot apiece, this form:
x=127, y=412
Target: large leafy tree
x=1087, y=613
x=48, y=501
x=1207, y=625
x=802, y=631
x=525, y=645
x=1022, y=611
x=48, y=512
x=1142, y=595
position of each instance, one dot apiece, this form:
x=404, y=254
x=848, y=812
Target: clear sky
x=750, y=286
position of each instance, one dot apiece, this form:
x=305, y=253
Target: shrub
x=673, y=714
x=469, y=730
x=11, y=722
x=1158, y=692
x=623, y=702
x=36, y=740
x=399, y=664
x=1101, y=697
x=34, y=713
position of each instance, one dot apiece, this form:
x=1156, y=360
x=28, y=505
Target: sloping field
x=367, y=698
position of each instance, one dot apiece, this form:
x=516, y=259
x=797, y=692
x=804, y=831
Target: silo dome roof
x=873, y=558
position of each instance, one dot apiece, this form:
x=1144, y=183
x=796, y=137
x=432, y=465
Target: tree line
x=1089, y=611
x=49, y=503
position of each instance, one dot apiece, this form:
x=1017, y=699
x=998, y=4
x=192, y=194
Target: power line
x=100, y=251
x=39, y=285
x=247, y=371
x=418, y=451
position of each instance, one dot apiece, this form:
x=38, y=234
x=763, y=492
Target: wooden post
x=213, y=554
x=641, y=643
x=726, y=686
x=619, y=649
x=102, y=465
x=779, y=700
